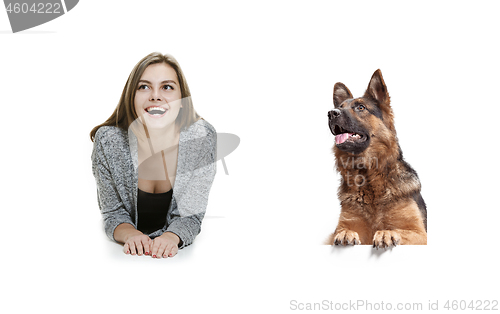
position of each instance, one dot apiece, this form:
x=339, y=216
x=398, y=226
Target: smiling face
x=158, y=96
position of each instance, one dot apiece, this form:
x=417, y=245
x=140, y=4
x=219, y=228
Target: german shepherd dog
x=379, y=192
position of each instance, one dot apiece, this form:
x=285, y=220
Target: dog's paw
x=386, y=239
x=346, y=237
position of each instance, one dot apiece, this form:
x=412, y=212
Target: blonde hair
x=125, y=114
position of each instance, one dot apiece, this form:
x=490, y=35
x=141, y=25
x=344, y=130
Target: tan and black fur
x=379, y=194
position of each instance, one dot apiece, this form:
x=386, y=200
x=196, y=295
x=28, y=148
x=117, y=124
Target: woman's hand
x=135, y=242
x=165, y=245
x=138, y=244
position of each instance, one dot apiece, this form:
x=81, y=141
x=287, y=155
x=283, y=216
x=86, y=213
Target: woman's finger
x=147, y=246
x=173, y=251
x=126, y=248
x=162, y=249
x=132, y=247
x=151, y=243
x=139, y=247
x=154, y=248
x=166, y=252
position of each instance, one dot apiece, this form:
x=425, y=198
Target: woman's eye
x=165, y=87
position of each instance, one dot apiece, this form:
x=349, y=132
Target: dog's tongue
x=341, y=138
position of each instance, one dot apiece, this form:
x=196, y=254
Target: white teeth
x=155, y=108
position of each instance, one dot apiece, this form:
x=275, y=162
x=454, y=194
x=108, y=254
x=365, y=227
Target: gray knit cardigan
x=114, y=165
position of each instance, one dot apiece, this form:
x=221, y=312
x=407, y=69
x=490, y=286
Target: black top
x=152, y=209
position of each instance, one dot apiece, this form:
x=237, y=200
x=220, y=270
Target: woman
x=154, y=139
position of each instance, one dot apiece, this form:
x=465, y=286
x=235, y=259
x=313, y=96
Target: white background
x=263, y=71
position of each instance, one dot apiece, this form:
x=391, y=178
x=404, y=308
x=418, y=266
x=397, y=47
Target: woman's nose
x=155, y=96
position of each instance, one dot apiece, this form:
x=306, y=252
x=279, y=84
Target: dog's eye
x=360, y=108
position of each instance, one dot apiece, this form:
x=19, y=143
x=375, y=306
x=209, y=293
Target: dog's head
x=364, y=122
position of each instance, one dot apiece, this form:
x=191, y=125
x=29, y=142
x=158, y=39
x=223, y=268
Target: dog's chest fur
x=371, y=191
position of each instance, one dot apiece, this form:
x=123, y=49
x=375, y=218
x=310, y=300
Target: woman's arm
x=107, y=154
x=117, y=221
x=192, y=203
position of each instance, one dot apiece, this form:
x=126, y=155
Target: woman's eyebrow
x=163, y=82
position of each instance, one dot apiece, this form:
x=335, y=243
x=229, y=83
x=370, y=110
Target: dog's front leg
x=351, y=230
x=403, y=226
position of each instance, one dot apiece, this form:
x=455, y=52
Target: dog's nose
x=333, y=113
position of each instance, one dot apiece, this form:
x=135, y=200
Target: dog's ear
x=340, y=93
x=377, y=89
